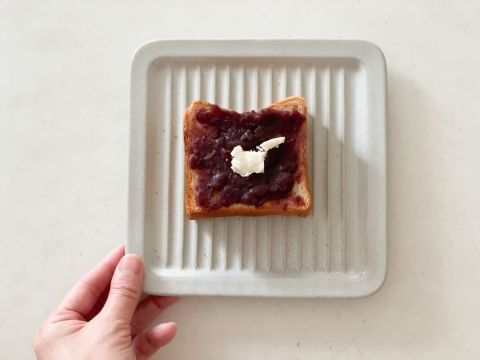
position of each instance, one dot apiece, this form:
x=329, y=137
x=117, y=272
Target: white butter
x=272, y=143
x=246, y=163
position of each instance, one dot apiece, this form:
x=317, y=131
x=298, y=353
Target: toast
x=296, y=202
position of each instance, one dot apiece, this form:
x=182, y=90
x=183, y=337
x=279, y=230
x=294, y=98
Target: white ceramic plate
x=337, y=251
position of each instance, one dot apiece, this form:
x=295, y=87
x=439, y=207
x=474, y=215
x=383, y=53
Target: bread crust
x=272, y=207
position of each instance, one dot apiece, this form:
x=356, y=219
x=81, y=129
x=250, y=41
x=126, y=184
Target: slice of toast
x=298, y=200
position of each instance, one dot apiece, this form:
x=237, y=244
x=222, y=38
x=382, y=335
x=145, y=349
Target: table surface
x=64, y=112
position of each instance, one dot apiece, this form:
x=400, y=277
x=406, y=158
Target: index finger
x=148, y=310
x=81, y=299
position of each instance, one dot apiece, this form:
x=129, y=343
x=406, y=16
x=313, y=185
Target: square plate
x=340, y=249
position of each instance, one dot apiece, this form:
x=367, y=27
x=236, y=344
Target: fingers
x=148, y=344
x=148, y=310
x=125, y=289
x=98, y=305
x=84, y=295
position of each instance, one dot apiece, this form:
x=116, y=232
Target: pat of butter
x=246, y=163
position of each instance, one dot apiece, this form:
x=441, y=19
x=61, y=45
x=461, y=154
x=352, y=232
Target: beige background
x=64, y=93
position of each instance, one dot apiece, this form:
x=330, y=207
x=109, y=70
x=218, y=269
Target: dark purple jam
x=219, y=131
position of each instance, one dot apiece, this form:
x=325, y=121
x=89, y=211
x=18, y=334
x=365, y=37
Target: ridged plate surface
x=337, y=251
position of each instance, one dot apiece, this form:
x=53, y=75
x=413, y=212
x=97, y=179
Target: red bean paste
x=218, y=131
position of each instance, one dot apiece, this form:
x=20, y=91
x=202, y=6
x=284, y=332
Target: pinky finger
x=148, y=343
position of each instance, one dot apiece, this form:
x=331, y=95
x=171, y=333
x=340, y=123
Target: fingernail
x=130, y=264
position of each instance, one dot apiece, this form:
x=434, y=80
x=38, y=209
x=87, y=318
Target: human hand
x=100, y=318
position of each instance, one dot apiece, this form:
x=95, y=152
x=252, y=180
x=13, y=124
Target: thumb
x=125, y=289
